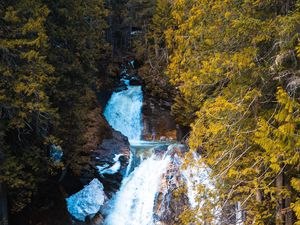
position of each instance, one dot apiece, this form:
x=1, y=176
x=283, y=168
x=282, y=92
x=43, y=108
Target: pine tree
x=152, y=50
x=280, y=154
x=78, y=51
x=26, y=112
x=228, y=58
x=53, y=59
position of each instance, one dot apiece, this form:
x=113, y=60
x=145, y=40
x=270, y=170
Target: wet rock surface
x=176, y=150
x=171, y=202
x=135, y=81
x=104, y=156
x=158, y=124
x=97, y=220
x=160, y=149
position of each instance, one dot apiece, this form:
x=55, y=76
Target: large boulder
x=110, y=161
x=86, y=202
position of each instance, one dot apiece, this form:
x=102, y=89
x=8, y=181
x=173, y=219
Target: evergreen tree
x=228, y=58
x=26, y=112
x=53, y=59
x=78, y=51
x=151, y=49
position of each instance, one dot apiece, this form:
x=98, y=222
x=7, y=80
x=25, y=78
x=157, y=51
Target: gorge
x=147, y=192
x=156, y=112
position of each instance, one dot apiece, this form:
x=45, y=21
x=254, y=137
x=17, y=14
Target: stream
x=150, y=181
x=134, y=202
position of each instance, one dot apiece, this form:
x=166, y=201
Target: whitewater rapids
x=134, y=203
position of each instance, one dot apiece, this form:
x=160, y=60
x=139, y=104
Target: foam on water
x=134, y=203
x=124, y=112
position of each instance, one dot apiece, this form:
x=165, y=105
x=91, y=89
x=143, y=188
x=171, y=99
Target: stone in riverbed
x=163, y=138
x=86, y=202
x=170, y=203
x=56, y=153
x=179, y=149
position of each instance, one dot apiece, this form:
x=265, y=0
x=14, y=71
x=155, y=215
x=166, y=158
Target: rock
x=134, y=81
x=107, y=169
x=170, y=203
x=163, y=138
x=96, y=130
x=179, y=149
x=97, y=220
x=160, y=149
x=182, y=133
x=111, y=159
x=56, y=153
x=171, y=200
x=86, y=202
x=121, y=88
x=157, y=119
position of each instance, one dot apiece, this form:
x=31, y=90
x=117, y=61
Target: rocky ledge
x=171, y=201
x=110, y=161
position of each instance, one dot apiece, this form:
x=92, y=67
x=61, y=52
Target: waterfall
x=134, y=203
x=124, y=111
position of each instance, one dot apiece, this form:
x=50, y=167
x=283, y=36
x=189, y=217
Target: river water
x=133, y=204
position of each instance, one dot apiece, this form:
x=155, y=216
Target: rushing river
x=133, y=204
x=124, y=112
x=147, y=195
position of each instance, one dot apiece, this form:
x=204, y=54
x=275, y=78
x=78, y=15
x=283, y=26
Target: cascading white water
x=134, y=203
x=124, y=112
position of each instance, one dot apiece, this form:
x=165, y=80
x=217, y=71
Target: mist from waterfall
x=124, y=112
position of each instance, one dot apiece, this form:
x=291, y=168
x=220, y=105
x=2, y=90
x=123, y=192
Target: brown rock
x=105, y=154
x=171, y=202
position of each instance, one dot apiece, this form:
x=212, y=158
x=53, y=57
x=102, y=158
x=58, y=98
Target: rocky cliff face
x=102, y=144
x=171, y=201
x=157, y=120
x=108, y=152
x=110, y=161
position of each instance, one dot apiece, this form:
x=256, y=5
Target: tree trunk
x=259, y=196
x=156, y=47
x=279, y=185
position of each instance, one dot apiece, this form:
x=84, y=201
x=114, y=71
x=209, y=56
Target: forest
x=230, y=70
